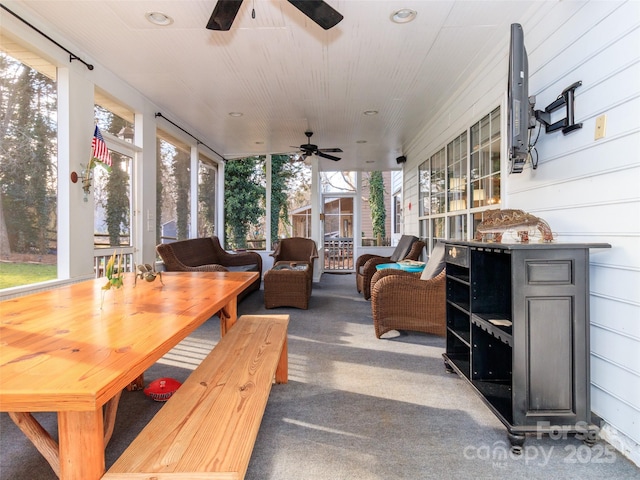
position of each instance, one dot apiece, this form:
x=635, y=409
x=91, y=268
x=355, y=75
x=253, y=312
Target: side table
x=288, y=284
x=407, y=267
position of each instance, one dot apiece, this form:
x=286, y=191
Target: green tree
x=243, y=199
x=27, y=158
x=118, y=205
x=285, y=183
x=207, y=201
x=114, y=192
x=376, y=203
x=181, y=171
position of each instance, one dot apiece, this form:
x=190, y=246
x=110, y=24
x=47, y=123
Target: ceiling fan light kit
x=308, y=149
x=319, y=11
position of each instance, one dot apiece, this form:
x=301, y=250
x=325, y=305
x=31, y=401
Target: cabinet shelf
x=460, y=363
x=463, y=335
x=499, y=326
x=498, y=396
x=463, y=307
x=463, y=279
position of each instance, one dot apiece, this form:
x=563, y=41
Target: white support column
x=193, y=199
x=357, y=216
x=267, y=213
x=75, y=215
x=317, y=226
x=220, y=204
x=146, y=169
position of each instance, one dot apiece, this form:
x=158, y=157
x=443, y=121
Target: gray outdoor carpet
x=355, y=407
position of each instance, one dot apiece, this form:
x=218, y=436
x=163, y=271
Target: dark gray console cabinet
x=518, y=331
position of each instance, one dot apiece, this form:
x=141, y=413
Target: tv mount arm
x=566, y=124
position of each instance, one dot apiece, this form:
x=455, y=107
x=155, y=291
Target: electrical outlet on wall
x=601, y=126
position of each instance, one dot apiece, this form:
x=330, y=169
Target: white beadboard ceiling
x=285, y=73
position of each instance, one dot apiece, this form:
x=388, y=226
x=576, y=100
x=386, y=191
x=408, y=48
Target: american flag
x=99, y=149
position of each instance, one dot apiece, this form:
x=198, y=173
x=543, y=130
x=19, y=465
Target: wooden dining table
x=73, y=349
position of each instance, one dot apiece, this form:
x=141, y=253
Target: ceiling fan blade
x=223, y=14
x=333, y=150
x=318, y=11
x=326, y=155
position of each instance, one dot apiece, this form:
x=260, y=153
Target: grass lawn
x=14, y=274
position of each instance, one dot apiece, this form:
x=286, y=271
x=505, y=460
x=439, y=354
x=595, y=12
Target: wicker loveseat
x=206, y=255
x=408, y=248
x=411, y=301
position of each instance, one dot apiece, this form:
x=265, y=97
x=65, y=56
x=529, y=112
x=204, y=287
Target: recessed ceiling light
x=370, y=112
x=235, y=114
x=404, y=15
x=159, y=18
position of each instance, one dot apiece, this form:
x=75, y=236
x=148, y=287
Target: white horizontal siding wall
x=588, y=190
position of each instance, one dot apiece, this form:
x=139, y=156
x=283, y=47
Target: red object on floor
x=161, y=389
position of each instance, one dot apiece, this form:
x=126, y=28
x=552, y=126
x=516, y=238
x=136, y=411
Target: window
x=113, y=117
x=338, y=189
x=397, y=213
x=246, y=199
x=457, y=173
x=28, y=167
x=438, y=187
x=485, y=161
x=112, y=187
x=173, y=184
x=338, y=182
x=432, y=193
x=207, y=191
x=460, y=180
x=112, y=193
x=290, y=198
x=338, y=217
x=244, y=202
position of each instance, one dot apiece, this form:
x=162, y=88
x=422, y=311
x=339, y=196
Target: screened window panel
x=28, y=166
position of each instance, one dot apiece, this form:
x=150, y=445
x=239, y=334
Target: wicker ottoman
x=288, y=284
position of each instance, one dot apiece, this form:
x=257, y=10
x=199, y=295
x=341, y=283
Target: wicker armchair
x=409, y=248
x=401, y=301
x=411, y=301
x=296, y=249
x=207, y=255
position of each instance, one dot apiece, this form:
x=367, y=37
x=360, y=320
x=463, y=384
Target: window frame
x=453, y=212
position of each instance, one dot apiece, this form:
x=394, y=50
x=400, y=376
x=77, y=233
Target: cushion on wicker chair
x=435, y=264
x=403, y=248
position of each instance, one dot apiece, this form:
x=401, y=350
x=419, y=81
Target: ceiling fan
x=317, y=10
x=308, y=149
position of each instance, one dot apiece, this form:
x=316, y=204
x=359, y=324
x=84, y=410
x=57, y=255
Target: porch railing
x=338, y=253
x=102, y=255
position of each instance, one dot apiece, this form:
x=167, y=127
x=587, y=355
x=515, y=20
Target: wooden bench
x=208, y=428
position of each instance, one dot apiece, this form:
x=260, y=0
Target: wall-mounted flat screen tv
x=520, y=112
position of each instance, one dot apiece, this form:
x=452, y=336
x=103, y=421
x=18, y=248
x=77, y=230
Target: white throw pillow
x=435, y=264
